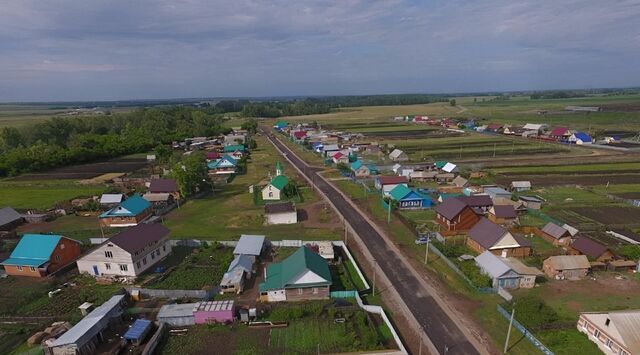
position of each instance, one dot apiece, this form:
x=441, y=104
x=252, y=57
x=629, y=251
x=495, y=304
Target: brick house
x=38, y=255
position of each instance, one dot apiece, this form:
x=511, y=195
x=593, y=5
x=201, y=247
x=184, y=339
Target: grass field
x=581, y=168
x=42, y=195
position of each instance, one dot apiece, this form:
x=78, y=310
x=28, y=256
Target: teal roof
x=233, y=148
x=399, y=192
x=281, y=124
x=33, y=250
x=440, y=164
x=356, y=165
x=283, y=275
x=446, y=195
x=216, y=163
x=130, y=207
x=279, y=182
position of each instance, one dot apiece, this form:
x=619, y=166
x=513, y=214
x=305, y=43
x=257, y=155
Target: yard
x=43, y=195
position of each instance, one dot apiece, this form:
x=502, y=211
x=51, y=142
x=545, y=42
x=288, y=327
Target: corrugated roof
x=390, y=180
x=163, y=185
x=111, y=198
x=233, y=148
x=589, y=247
x=33, y=250
x=459, y=181
x=623, y=327
x=568, y=262
x=530, y=199
x=573, y=231
x=449, y=167
x=396, y=153
x=130, y=207
x=281, y=275
x=88, y=323
x=491, y=264
x=8, y=215
x=559, y=131
x=250, y=245
x=477, y=200
x=555, y=230
x=138, y=329
x=522, y=269
x=215, y=306
x=177, y=310
x=582, y=136
x=399, y=192
x=521, y=184
x=279, y=182
x=504, y=211
x=137, y=237
x=156, y=197
x=487, y=233
x=451, y=207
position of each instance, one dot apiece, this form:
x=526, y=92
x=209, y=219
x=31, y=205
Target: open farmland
x=42, y=195
x=88, y=171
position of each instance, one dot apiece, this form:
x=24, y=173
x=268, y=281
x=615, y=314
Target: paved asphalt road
x=437, y=325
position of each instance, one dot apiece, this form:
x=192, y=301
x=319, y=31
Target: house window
x=270, y=194
x=33, y=269
x=57, y=257
x=19, y=268
x=107, y=266
x=138, y=264
x=608, y=343
x=164, y=248
x=124, y=267
x=144, y=260
x=300, y=291
x=108, y=254
x=62, y=246
x=158, y=251
x=315, y=290
x=596, y=333
x=153, y=255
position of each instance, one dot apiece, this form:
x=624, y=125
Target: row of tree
x=64, y=141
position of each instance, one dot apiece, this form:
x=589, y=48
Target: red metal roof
x=391, y=180
x=300, y=134
x=559, y=131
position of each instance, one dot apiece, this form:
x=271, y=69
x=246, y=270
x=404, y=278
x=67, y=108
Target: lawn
x=42, y=195
x=582, y=168
x=201, y=268
x=76, y=227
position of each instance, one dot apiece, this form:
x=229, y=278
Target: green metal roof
x=279, y=182
x=399, y=192
x=282, y=275
x=233, y=148
x=440, y=164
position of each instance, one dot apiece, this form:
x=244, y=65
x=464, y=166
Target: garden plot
x=88, y=171
x=608, y=215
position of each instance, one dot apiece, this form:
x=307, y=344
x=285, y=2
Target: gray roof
x=530, y=199
x=156, y=196
x=491, y=264
x=555, y=230
x=521, y=183
x=111, y=198
x=242, y=262
x=177, y=310
x=250, y=245
x=91, y=324
x=522, y=269
x=495, y=191
x=8, y=215
x=279, y=207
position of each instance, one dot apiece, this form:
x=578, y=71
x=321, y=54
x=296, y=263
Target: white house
x=398, y=155
x=273, y=190
x=280, y=213
x=128, y=254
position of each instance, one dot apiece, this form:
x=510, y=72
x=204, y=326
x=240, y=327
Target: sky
x=110, y=50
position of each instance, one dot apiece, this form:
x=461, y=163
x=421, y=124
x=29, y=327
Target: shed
x=9, y=219
x=571, y=267
x=178, y=315
x=138, y=331
x=214, y=312
x=555, y=234
x=450, y=168
x=459, y=181
x=251, y=245
x=495, y=192
x=592, y=249
x=520, y=186
x=486, y=235
x=111, y=199
x=531, y=202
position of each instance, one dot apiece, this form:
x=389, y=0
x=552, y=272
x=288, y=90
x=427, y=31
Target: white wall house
x=129, y=253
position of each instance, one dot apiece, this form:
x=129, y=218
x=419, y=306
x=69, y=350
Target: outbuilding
x=9, y=219
x=592, y=249
x=555, y=234
x=280, y=213
x=569, y=267
x=214, y=312
x=531, y=202
x=519, y=186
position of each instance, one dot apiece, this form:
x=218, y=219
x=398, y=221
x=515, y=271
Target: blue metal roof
x=216, y=163
x=33, y=250
x=132, y=206
x=583, y=136
x=137, y=330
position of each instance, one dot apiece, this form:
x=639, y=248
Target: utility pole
x=426, y=252
x=494, y=149
x=506, y=342
x=375, y=269
x=389, y=212
x=345, y=233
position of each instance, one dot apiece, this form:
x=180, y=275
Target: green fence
x=343, y=294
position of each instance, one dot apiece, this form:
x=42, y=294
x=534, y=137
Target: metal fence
x=343, y=294
x=149, y=292
x=532, y=339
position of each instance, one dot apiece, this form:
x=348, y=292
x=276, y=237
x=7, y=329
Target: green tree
x=190, y=173
x=163, y=153
x=452, y=102
x=251, y=125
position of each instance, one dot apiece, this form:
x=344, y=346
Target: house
x=566, y=267
x=517, y=205
x=592, y=249
x=9, y=219
x=486, y=235
x=237, y=151
x=501, y=274
x=299, y=136
x=513, y=130
x=519, y=186
x=38, y=255
x=398, y=155
x=535, y=127
x=531, y=202
x=388, y=183
x=360, y=170
x=528, y=274
x=168, y=186
x=226, y=165
x=274, y=190
x=509, y=273
x=445, y=177
x=479, y=203
x=302, y=276
x=503, y=214
x=573, y=231
x=159, y=200
x=580, y=138
x=423, y=175
x=251, y=245
x=459, y=181
x=560, y=133
x=111, y=200
x=409, y=199
x=338, y=158
x=455, y=215
x=493, y=127
x=555, y=234
x=129, y=253
x=234, y=139
x=614, y=332
x=211, y=155
x=129, y=213
x=240, y=269
x=280, y=213
x=329, y=149
x=494, y=192
x=87, y=334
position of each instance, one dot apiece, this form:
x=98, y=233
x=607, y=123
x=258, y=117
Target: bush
x=532, y=312
x=474, y=274
x=450, y=250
